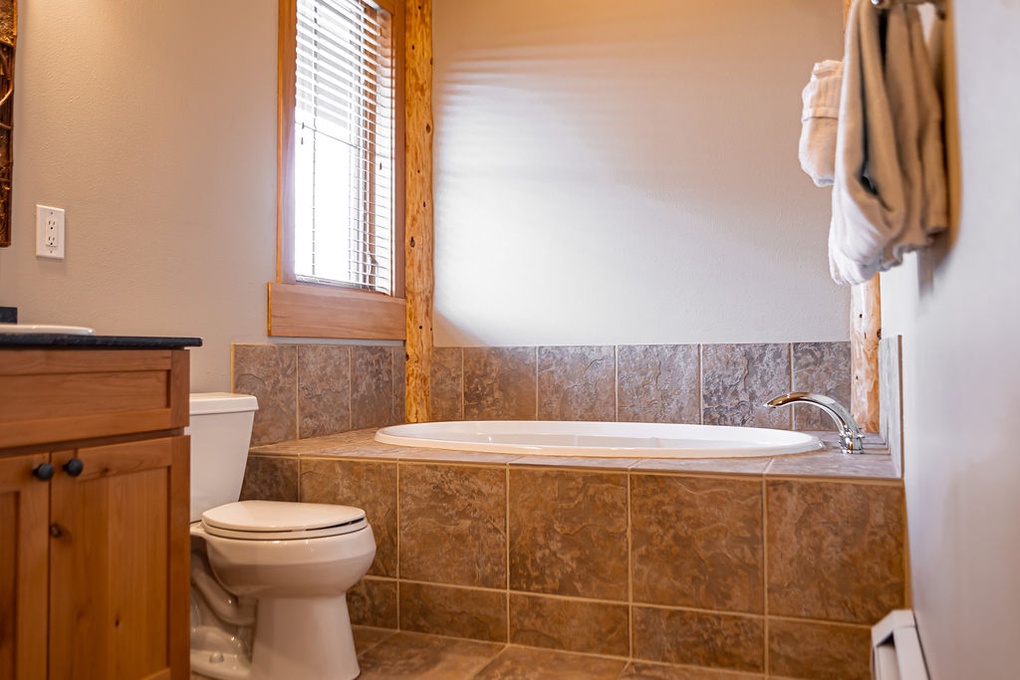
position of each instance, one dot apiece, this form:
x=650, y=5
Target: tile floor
x=393, y=655
x=390, y=655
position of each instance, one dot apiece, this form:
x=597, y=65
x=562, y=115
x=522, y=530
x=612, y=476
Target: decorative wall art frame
x=8, y=38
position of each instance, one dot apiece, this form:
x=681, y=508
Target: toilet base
x=304, y=638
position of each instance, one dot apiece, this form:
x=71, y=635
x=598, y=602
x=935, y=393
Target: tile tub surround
x=311, y=390
x=767, y=567
x=716, y=384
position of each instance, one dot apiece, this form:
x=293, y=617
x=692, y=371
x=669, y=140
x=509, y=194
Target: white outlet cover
x=49, y=232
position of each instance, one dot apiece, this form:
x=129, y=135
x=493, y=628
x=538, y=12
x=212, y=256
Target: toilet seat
x=276, y=521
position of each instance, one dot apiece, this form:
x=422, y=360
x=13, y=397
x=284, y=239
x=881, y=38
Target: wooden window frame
x=298, y=309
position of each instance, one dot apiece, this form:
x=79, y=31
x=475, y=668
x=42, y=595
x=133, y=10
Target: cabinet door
x=119, y=561
x=24, y=508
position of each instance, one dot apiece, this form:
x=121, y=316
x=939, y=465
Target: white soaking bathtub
x=600, y=439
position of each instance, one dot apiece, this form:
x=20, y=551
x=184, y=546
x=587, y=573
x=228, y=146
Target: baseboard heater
x=896, y=649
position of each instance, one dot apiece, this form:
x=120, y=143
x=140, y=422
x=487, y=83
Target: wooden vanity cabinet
x=94, y=513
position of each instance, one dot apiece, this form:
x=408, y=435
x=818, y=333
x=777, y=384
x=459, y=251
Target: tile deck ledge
x=874, y=464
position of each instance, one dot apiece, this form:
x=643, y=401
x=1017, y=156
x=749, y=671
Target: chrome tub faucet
x=849, y=432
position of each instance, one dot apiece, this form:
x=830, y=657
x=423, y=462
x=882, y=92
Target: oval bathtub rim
x=743, y=446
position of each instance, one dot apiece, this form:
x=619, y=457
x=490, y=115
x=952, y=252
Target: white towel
x=889, y=193
x=819, y=117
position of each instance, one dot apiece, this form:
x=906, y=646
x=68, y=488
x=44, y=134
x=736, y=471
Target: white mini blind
x=344, y=122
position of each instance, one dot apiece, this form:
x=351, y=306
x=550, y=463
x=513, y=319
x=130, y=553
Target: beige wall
x=957, y=308
x=154, y=125
x=643, y=153
x=626, y=172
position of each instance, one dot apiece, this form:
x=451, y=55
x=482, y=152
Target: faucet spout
x=850, y=440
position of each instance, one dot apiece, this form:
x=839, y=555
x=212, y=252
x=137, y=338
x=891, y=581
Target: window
x=340, y=166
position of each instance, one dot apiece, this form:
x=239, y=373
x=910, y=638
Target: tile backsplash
x=315, y=390
x=720, y=384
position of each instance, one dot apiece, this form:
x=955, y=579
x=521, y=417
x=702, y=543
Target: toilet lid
x=275, y=520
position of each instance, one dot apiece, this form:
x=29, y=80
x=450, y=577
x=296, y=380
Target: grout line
x=350, y=388
x=793, y=411
x=463, y=387
x=630, y=570
x=562, y=598
x=616, y=382
x=823, y=622
x=506, y=582
x=297, y=390
x=537, y=372
x=396, y=540
x=765, y=572
x=701, y=384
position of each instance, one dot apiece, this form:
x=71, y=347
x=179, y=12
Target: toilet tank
x=220, y=434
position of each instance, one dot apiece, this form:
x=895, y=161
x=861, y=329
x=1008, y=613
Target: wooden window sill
x=308, y=311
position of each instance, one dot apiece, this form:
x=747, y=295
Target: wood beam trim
x=418, y=234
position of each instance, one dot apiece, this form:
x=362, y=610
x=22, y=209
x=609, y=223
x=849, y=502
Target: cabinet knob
x=73, y=467
x=43, y=472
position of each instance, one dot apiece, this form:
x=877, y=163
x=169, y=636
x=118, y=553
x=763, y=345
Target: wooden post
x=865, y=331
x=418, y=230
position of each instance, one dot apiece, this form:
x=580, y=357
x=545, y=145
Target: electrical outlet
x=49, y=232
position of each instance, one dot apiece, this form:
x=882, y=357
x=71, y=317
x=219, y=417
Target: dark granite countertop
x=63, y=341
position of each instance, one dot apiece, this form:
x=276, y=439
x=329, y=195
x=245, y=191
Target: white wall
x=626, y=172
x=958, y=308
x=154, y=125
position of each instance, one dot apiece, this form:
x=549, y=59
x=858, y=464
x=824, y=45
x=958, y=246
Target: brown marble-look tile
x=874, y=463
x=446, y=456
x=370, y=486
x=639, y=670
x=371, y=386
x=521, y=663
x=890, y=396
x=697, y=542
x=425, y=657
x=854, y=535
x=659, y=383
x=568, y=533
x=399, y=357
x=723, y=466
x=366, y=637
x=270, y=373
x=458, y=513
x=270, y=478
x=600, y=463
x=737, y=380
x=570, y=625
x=822, y=368
x=499, y=383
x=373, y=602
x=576, y=383
x=724, y=641
x=455, y=612
x=446, y=391
x=324, y=389
x=355, y=442
x=822, y=651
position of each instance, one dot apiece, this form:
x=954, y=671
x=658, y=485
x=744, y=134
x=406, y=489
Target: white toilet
x=269, y=579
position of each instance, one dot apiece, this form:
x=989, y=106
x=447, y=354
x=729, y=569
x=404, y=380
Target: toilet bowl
x=269, y=579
